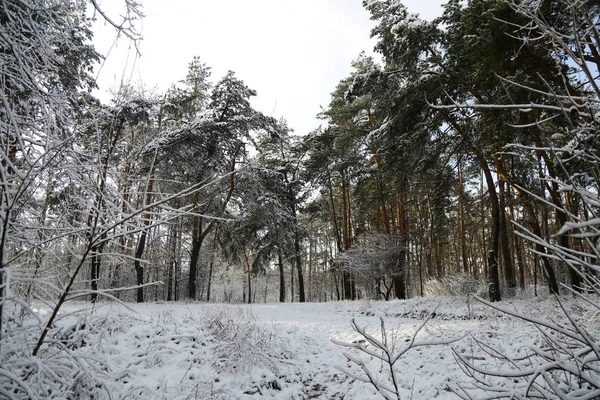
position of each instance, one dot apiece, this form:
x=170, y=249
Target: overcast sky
x=292, y=52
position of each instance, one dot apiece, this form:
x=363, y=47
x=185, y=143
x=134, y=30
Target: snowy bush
x=387, y=351
x=563, y=364
x=242, y=344
x=63, y=368
x=455, y=285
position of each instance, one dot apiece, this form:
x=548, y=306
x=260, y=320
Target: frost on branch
x=564, y=364
x=387, y=350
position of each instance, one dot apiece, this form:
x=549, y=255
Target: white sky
x=292, y=52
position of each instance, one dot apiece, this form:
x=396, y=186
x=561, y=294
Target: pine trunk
x=281, y=276
x=507, y=264
x=210, y=267
x=248, y=275
x=194, y=257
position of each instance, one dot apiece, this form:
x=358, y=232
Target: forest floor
x=287, y=350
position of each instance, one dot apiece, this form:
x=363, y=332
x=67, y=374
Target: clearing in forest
x=287, y=351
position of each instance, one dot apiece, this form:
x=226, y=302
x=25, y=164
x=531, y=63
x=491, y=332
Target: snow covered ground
x=284, y=351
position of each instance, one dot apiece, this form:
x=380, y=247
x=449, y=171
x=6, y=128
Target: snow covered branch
x=386, y=351
x=565, y=364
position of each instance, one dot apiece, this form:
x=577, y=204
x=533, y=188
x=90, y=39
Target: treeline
x=470, y=151
x=461, y=153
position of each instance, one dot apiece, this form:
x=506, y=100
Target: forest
x=464, y=161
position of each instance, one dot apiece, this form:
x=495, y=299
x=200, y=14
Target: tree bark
x=249, y=276
x=507, y=264
x=347, y=287
x=172, y=245
x=139, y=270
x=298, y=257
x=197, y=239
x=210, y=266
x=508, y=267
x=281, y=276
x=297, y=250
x=95, y=262
x=347, y=232
x=336, y=229
x=310, y=265
x=399, y=281
x=461, y=221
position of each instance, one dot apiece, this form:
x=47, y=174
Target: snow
x=286, y=351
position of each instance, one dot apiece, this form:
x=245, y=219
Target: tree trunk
x=347, y=287
x=494, y=291
x=508, y=267
x=338, y=293
x=310, y=264
x=560, y=214
x=95, y=271
x=421, y=291
x=346, y=232
x=520, y=262
x=346, y=282
x=297, y=249
x=382, y=205
x=194, y=256
x=399, y=284
x=249, y=276
x=198, y=235
x=535, y=229
x=292, y=273
x=298, y=258
x=139, y=270
x=210, y=267
x=178, y=273
x=170, y=279
x=483, y=234
x=336, y=229
x=172, y=246
x=492, y=257
x=399, y=281
x=281, y=276
x=95, y=263
x=461, y=222
x=94, y=219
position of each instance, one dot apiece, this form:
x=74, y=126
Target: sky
x=292, y=52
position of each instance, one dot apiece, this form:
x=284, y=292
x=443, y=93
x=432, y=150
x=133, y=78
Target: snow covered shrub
x=454, y=285
x=384, y=353
x=63, y=368
x=564, y=363
x=241, y=343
